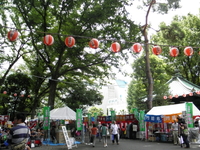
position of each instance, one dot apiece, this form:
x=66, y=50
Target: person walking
x=94, y=131
x=90, y=126
x=104, y=131
x=184, y=133
x=123, y=132
x=20, y=133
x=115, y=132
x=99, y=131
x=174, y=129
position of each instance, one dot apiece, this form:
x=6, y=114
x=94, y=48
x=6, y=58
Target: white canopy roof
x=172, y=109
x=64, y=113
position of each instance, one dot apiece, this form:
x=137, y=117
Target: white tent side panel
x=172, y=109
x=64, y=113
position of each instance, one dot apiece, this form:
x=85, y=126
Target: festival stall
x=129, y=122
x=159, y=119
x=64, y=113
x=59, y=117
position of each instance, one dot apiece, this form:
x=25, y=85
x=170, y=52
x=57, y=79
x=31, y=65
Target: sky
x=187, y=6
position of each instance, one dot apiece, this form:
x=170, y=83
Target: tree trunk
x=147, y=61
x=52, y=93
x=149, y=76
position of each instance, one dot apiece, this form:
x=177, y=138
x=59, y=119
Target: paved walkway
x=125, y=144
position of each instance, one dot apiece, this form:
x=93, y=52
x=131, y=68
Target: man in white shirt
x=115, y=131
x=174, y=128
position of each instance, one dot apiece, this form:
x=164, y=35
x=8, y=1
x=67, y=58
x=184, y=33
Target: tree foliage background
x=70, y=75
x=137, y=90
x=182, y=32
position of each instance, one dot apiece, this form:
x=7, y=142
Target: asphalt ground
x=125, y=144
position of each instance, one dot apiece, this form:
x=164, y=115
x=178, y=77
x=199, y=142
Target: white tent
x=172, y=109
x=64, y=113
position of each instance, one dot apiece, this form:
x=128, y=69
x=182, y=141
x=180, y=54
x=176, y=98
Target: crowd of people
x=21, y=136
x=180, y=131
x=101, y=132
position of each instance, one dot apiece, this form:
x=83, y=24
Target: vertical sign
x=141, y=120
x=95, y=118
x=113, y=116
x=46, y=113
x=189, y=114
x=135, y=112
x=79, y=119
x=89, y=118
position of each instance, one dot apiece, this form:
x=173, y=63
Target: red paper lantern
x=12, y=35
x=115, y=47
x=188, y=51
x=164, y=97
x=137, y=47
x=4, y=92
x=184, y=95
x=48, y=40
x=191, y=94
x=70, y=41
x=94, y=43
x=174, y=52
x=157, y=50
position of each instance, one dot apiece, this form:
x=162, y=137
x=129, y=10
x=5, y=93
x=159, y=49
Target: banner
x=141, y=120
x=79, y=119
x=113, y=116
x=153, y=118
x=170, y=118
x=189, y=115
x=89, y=118
x=95, y=118
x=136, y=113
x=46, y=114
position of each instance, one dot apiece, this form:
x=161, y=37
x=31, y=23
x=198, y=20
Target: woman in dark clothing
x=184, y=133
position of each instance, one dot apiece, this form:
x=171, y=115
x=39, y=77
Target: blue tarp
x=53, y=144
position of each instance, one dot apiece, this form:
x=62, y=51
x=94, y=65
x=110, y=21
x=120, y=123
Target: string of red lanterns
x=184, y=95
x=15, y=94
x=115, y=47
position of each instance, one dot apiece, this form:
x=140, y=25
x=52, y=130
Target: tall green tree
x=182, y=32
x=17, y=97
x=84, y=19
x=163, y=7
x=137, y=89
x=93, y=110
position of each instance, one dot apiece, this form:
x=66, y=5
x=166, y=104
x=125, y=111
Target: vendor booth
x=64, y=113
x=61, y=116
x=159, y=119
